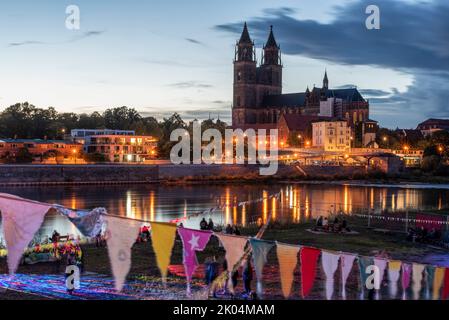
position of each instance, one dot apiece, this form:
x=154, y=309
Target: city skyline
x=159, y=58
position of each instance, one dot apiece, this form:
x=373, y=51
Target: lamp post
x=74, y=151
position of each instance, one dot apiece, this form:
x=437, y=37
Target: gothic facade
x=258, y=100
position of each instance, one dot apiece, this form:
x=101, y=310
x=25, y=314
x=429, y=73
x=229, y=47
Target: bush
x=95, y=157
x=431, y=163
x=24, y=156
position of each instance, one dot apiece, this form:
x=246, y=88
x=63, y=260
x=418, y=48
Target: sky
x=166, y=56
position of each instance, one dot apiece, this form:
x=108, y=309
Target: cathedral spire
x=325, y=80
x=271, y=42
x=245, y=38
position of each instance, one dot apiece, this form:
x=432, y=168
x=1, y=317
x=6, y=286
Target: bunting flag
x=89, y=223
x=121, y=234
x=192, y=241
x=446, y=285
x=364, y=262
x=330, y=265
x=430, y=276
x=347, y=261
x=417, y=274
x=437, y=282
x=260, y=250
x=381, y=264
x=308, y=258
x=163, y=237
x=235, y=249
x=21, y=219
x=288, y=259
x=394, y=270
x=406, y=275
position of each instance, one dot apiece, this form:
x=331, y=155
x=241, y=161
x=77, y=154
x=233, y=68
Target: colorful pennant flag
x=347, y=261
x=417, y=274
x=430, y=276
x=121, y=234
x=308, y=258
x=438, y=279
x=406, y=276
x=288, y=259
x=163, y=237
x=192, y=241
x=260, y=249
x=21, y=219
x=330, y=264
x=381, y=264
x=235, y=249
x=394, y=270
x=445, y=294
x=364, y=262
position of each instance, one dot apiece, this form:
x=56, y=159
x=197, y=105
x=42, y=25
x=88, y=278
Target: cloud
x=84, y=35
x=194, y=41
x=25, y=43
x=414, y=39
x=189, y=85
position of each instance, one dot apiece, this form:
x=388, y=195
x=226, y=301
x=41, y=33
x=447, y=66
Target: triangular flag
x=381, y=264
x=192, y=241
x=308, y=258
x=347, y=262
x=417, y=273
x=163, y=239
x=288, y=259
x=21, y=219
x=406, y=276
x=364, y=263
x=121, y=234
x=235, y=249
x=445, y=294
x=438, y=279
x=394, y=270
x=330, y=264
x=260, y=250
x=430, y=275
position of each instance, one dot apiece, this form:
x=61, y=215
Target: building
x=40, y=148
x=258, y=98
x=83, y=135
x=369, y=133
x=123, y=148
x=332, y=135
x=430, y=126
x=296, y=128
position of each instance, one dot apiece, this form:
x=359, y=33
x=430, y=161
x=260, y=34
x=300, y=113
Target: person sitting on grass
x=203, y=224
x=325, y=224
x=228, y=229
x=210, y=225
x=236, y=231
x=319, y=222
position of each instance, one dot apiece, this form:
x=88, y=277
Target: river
x=298, y=202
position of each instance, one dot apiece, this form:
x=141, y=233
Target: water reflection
x=298, y=202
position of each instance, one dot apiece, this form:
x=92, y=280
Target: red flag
x=446, y=285
x=309, y=259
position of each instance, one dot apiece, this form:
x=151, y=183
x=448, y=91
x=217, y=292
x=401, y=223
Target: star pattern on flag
x=194, y=242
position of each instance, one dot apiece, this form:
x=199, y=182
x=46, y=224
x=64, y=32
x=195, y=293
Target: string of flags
x=223, y=206
x=437, y=221
x=22, y=218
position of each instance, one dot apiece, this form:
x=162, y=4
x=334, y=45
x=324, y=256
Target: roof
x=437, y=122
x=298, y=122
x=245, y=38
x=411, y=133
x=271, y=42
x=298, y=99
x=285, y=100
x=35, y=141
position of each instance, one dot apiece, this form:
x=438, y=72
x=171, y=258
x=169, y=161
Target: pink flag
x=406, y=275
x=21, y=219
x=192, y=241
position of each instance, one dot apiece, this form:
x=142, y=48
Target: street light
x=440, y=149
x=74, y=151
x=385, y=139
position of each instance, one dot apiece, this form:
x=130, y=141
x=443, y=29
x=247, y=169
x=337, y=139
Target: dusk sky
x=168, y=56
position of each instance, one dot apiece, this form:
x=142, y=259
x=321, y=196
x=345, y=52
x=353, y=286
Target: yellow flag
x=437, y=282
x=288, y=259
x=163, y=238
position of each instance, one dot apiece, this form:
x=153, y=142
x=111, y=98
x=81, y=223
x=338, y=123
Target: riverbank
x=110, y=174
x=143, y=268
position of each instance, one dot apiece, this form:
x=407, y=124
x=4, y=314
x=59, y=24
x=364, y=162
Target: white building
x=332, y=135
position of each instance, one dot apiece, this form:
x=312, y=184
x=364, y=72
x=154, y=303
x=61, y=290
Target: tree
x=121, y=118
x=24, y=156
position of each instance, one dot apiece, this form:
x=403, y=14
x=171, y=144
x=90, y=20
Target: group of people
x=423, y=235
x=323, y=224
x=232, y=230
x=204, y=225
x=213, y=271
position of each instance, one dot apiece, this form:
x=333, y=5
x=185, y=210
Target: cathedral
x=258, y=101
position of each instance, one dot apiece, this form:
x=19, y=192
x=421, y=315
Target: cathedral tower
x=245, y=76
